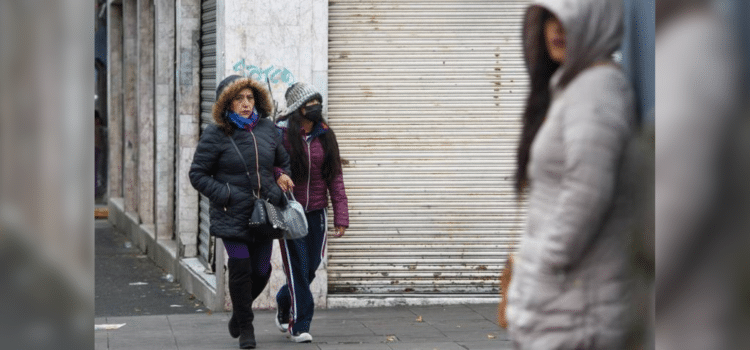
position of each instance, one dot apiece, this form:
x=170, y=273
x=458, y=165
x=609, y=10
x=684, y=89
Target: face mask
x=314, y=113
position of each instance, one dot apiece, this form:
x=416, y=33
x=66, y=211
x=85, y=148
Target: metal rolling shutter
x=425, y=97
x=208, y=91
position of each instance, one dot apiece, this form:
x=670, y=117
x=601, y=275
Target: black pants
x=301, y=258
x=258, y=266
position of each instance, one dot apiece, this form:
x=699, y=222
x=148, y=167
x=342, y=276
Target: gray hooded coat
x=571, y=282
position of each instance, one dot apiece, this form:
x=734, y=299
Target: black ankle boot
x=247, y=331
x=247, y=337
x=234, y=326
x=240, y=291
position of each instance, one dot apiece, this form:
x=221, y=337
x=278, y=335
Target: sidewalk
x=458, y=327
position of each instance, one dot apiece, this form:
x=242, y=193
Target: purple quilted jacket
x=312, y=193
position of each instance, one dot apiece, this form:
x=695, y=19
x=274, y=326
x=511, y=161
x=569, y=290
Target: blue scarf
x=242, y=122
x=319, y=129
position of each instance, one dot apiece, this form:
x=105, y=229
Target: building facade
x=425, y=98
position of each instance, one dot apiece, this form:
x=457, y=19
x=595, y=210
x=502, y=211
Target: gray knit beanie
x=299, y=94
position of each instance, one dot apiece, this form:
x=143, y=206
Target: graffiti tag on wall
x=275, y=75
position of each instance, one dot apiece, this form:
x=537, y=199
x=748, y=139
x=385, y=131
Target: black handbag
x=266, y=219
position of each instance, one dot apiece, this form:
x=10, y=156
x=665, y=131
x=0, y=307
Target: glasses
x=242, y=98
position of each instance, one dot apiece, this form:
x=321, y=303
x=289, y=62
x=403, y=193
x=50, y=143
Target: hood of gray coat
x=593, y=32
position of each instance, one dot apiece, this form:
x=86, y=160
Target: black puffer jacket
x=218, y=171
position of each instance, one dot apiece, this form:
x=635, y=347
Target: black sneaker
x=282, y=323
x=303, y=337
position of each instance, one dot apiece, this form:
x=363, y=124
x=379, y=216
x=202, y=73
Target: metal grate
x=208, y=88
x=426, y=97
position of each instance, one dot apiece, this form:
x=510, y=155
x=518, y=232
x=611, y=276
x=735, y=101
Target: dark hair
x=227, y=126
x=536, y=105
x=331, y=166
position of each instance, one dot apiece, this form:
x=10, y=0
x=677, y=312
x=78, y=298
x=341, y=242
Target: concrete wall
x=286, y=40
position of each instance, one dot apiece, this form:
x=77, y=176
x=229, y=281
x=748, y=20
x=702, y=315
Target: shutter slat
x=208, y=85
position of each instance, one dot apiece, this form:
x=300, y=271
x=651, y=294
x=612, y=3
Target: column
x=187, y=128
x=130, y=59
x=165, y=114
x=115, y=97
x=145, y=97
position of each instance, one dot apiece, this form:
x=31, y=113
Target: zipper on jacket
x=228, y=196
x=309, y=169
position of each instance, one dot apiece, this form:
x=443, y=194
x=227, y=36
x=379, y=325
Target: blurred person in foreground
x=47, y=187
x=571, y=286
x=701, y=178
x=638, y=64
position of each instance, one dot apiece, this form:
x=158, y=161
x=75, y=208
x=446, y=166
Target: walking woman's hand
x=339, y=231
x=285, y=182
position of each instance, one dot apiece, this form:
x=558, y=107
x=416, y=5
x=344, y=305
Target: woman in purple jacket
x=316, y=171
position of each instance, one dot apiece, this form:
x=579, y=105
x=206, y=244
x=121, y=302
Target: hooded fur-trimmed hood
x=230, y=87
x=593, y=32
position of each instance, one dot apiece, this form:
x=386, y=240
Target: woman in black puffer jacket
x=241, y=113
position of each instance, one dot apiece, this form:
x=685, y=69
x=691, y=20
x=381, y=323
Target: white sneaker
x=283, y=327
x=301, y=338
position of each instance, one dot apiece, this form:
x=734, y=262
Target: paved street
x=157, y=314
x=458, y=327
x=128, y=283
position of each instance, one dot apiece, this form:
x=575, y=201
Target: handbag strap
x=257, y=166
